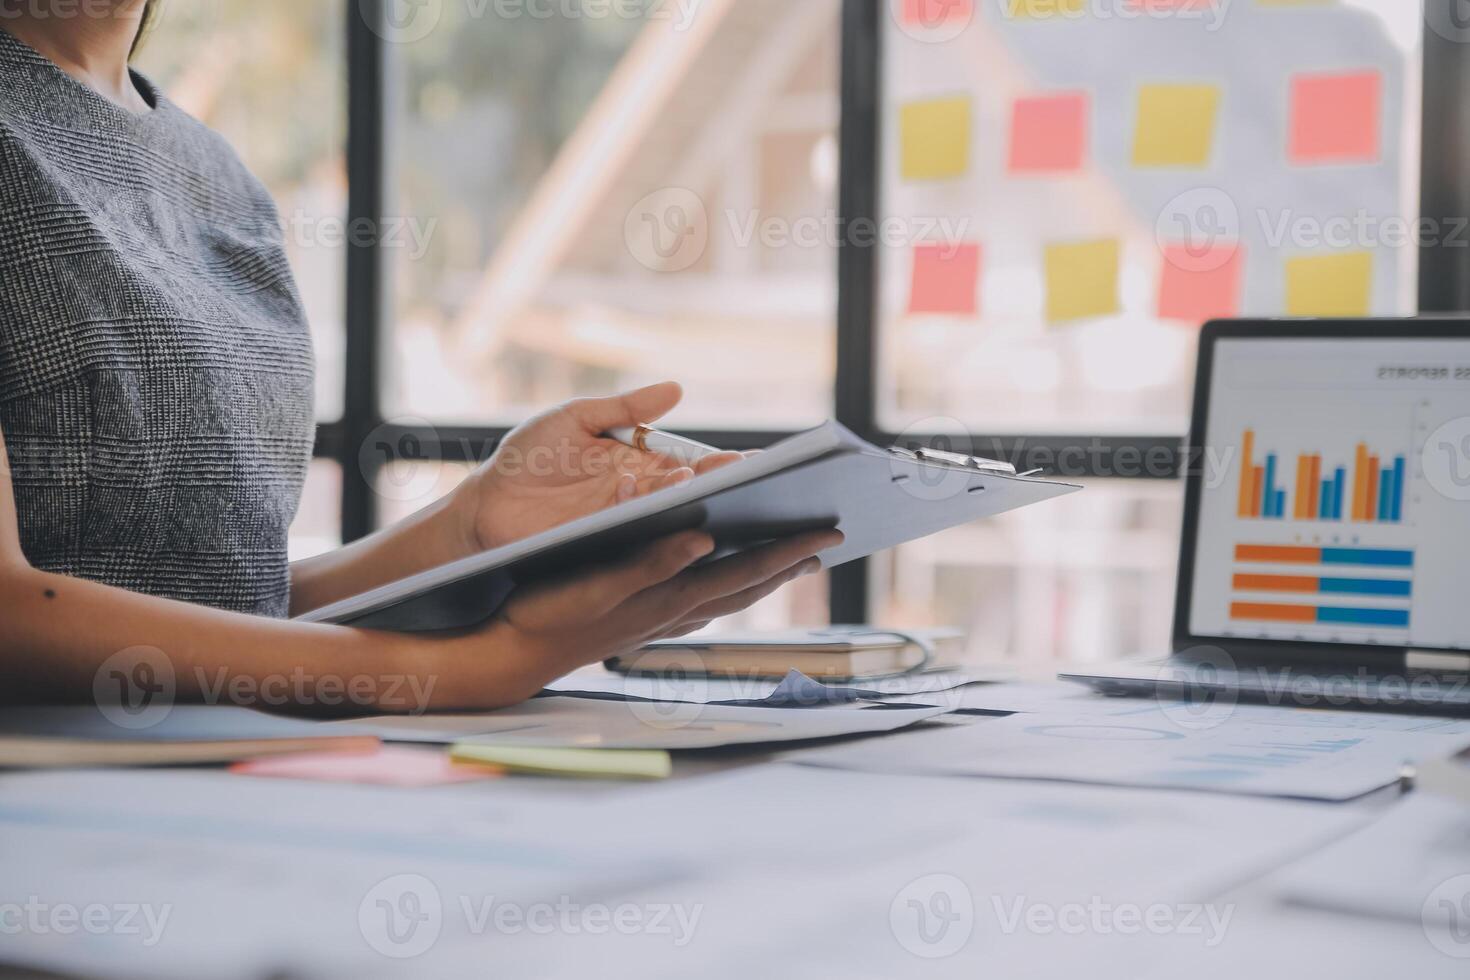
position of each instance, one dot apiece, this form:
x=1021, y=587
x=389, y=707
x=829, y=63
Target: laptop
x=1325, y=556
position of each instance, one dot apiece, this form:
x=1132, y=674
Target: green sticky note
x=1330, y=285
x=611, y=763
x=1175, y=126
x=1082, y=279
x=935, y=138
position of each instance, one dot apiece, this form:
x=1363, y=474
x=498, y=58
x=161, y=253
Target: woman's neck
x=90, y=42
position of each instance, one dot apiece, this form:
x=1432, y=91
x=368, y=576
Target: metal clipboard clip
x=978, y=463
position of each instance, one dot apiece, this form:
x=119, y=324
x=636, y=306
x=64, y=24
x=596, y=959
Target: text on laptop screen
x=1335, y=500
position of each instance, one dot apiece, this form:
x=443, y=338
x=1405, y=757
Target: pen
x=685, y=451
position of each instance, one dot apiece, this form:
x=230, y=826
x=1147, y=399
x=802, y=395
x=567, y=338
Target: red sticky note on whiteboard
x=1200, y=284
x=1335, y=117
x=1048, y=133
x=936, y=13
x=946, y=278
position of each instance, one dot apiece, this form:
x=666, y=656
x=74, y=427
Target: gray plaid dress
x=155, y=364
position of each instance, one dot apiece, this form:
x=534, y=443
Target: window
x=578, y=197
x=267, y=74
x=592, y=202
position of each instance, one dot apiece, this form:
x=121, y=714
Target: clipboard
x=822, y=478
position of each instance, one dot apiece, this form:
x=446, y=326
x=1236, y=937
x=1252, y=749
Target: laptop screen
x=1334, y=500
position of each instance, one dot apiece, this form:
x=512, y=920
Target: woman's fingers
x=597, y=415
x=678, y=598
x=652, y=566
x=715, y=460
x=749, y=597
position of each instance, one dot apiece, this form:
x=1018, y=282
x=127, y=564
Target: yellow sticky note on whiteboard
x=1175, y=126
x=1081, y=279
x=1035, y=9
x=935, y=138
x=1330, y=285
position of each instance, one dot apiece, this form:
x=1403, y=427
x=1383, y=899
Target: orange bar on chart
x=1247, y=486
x=1303, y=470
x=1290, y=553
x=1360, y=484
x=1273, y=613
x=1314, y=482
x=1258, y=489
x=1372, y=509
x=1277, y=583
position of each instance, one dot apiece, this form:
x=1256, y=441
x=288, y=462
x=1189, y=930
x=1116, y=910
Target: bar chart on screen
x=1324, y=517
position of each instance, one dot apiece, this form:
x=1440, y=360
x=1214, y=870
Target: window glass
x=318, y=525
x=590, y=201
x=267, y=74
x=1074, y=187
x=1085, y=577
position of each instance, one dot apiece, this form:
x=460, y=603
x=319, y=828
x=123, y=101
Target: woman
x=156, y=418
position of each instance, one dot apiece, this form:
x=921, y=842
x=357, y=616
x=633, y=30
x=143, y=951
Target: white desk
x=750, y=867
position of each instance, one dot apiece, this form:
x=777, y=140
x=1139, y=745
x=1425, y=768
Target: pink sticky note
x=936, y=13
x=1200, y=284
x=1157, y=6
x=946, y=278
x=387, y=766
x=1048, y=133
x=1335, y=117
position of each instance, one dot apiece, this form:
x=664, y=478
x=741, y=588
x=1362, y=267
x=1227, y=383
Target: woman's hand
x=558, y=467
x=551, y=629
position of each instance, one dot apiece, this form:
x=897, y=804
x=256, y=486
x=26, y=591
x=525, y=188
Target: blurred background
x=580, y=197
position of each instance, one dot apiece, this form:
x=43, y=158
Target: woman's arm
x=57, y=632
x=551, y=470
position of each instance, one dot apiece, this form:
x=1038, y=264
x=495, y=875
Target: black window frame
x=363, y=440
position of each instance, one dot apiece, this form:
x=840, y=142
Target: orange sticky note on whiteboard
x=1330, y=285
x=1048, y=133
x=1081, y=279
x=946, y=278
x=1335, y=118
x=1199, y=284
x=935, y=138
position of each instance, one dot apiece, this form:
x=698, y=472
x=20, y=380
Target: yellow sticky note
x=935, y=138
x=1081, y=279
x=1330, y=285
x=1176, y=125
x=607, y=763
x=1036, y=9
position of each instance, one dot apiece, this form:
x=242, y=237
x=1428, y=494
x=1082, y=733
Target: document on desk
x=1157, y=749
x=795, y=690
x=1412, y=863
x=584, y=723
x=207, y=874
